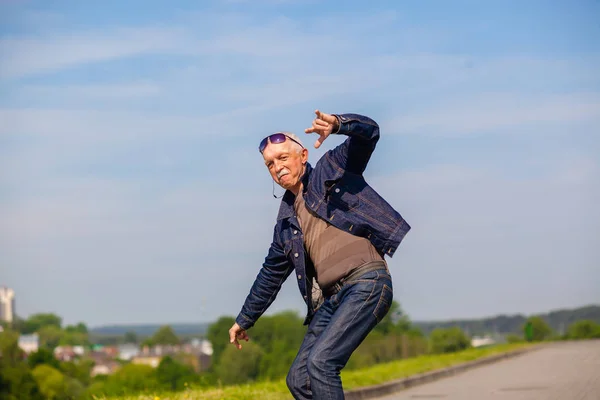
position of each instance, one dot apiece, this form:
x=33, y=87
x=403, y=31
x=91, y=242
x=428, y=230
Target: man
x=333, y=231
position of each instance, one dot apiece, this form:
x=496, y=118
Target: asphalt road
x=561, y=371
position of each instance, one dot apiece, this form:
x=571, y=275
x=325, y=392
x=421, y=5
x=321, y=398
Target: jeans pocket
x=384, y=304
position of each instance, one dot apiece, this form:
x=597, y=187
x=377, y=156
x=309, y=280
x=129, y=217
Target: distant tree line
x=275, y=339
x=558, y=321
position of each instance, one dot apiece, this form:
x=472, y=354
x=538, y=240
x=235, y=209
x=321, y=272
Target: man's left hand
x=323, y=125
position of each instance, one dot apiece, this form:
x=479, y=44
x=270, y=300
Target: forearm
x=363, y=134
x=357, y=127
x=263, y=292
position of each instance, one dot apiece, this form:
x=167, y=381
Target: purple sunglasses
x=275, y=138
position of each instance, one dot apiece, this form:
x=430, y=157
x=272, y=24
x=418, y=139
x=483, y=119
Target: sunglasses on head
x=275, y=138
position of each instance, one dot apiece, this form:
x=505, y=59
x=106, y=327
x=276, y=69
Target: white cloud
x=24, y=56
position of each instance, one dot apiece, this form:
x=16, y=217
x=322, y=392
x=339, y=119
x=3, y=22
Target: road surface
x=561, y=371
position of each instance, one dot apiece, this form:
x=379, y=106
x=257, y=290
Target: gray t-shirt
x=333, y=251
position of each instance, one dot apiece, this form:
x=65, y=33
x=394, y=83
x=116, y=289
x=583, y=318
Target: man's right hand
x=237, y=333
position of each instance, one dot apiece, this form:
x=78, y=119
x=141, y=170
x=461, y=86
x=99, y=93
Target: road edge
x=370, y=392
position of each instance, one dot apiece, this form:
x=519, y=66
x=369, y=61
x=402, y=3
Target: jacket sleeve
x=363, y=133
x=267, y=284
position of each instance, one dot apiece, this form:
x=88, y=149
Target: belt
x=353, y=275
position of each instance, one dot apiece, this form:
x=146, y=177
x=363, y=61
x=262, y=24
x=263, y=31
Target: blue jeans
x=337, y=329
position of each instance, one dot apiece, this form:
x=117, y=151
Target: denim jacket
x=336, y=191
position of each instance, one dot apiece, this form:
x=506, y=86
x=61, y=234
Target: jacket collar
x=286, y=209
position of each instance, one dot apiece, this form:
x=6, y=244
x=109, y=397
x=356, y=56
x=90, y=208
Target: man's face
x=285, y=163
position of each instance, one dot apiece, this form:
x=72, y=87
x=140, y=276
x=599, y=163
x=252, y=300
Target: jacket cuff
x=244, y=322
x=339, y=124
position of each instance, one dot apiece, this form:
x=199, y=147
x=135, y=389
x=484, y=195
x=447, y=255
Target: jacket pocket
x=343, y=199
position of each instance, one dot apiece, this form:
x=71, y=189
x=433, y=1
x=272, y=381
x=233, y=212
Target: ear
x=304, y=156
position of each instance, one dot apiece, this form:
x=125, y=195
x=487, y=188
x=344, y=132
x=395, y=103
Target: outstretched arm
x=267, y=284
x=363, y=134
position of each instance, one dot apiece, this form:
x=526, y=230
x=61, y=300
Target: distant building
x=7, y=304
x=29, y=343
x=151, y=360
x=198, y=354
x=68, y=353
x=104, y=368
x=128, y=351
x=482, y=341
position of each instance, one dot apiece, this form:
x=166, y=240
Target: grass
x=352, y=379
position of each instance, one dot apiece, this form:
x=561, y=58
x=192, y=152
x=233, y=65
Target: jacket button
x=295, y=232
x=305, y=297
x=296, y=255
x=299, y=276
x=337, y=190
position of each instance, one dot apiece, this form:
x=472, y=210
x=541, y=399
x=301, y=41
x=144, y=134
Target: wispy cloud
x=24, y=56
x=128, y=153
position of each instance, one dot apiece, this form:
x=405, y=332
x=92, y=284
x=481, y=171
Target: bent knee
x=318, y=366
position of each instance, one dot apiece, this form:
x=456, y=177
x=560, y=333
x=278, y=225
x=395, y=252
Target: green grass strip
x=373, y=375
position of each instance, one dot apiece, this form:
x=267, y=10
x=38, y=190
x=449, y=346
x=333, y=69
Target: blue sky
x=131, y=189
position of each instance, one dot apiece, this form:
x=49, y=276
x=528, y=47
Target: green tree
x=52, y=382
x=218, y=335
x=130, y=379
x=16, y=381
x=538, y=329
x=585, y=329
x=79, y=370
x=448, y=340
x=37, y=321
x=239, y=366
x=79, y=328
x=131, y=337
x=279, y=336
x=42, y=356
x=174, y=375
x=9, y=349
x=50, y=336
x=165, y=335
x=74, y=338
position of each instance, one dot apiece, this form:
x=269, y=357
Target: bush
x=239, y=366
x=379, y=348
x=536, y=329
x=130, y=379
x=54, y=385
x=512, y=338
x=173, y=375
x=448, y=340
x=42, y=356
x=585, y=329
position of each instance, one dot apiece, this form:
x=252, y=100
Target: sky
x=132, y=191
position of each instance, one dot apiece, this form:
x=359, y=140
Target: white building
x=128, y=351
x=479, y=341
x=7, y=304
x=29, y=343
x=204, y=345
